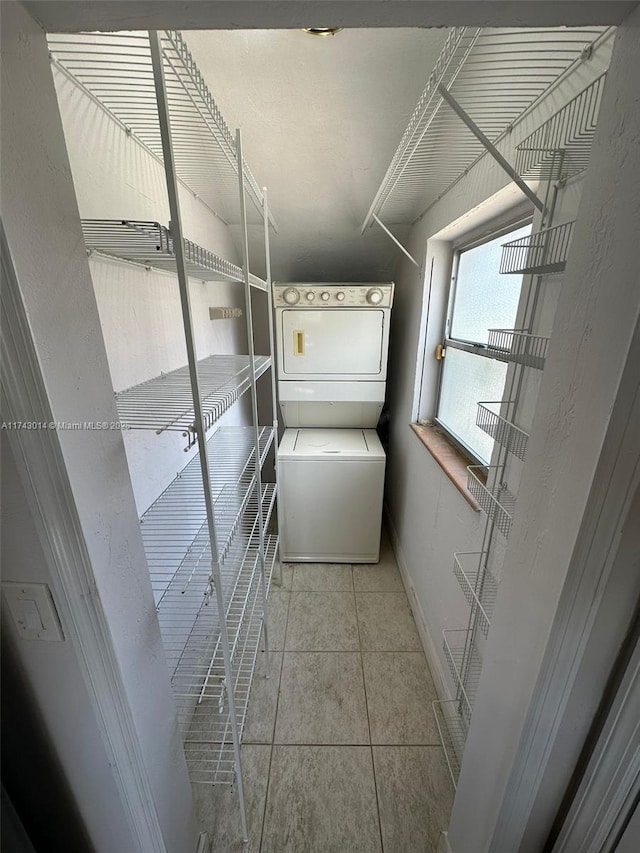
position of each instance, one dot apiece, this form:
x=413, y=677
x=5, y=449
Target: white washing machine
x=330, y=483
x=331, y=343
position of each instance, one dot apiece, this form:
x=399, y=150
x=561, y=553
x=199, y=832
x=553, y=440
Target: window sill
x=448, y=457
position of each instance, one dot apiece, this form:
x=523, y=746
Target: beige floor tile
x=386, y=623
x=322, y=622
x=399, y=693
x=322, y=699
x=415, y=796
x=287, y=576
x=263, y=700
x=381, y=577
x=277, y=609
x=321, y=799
x=322, y=577
x=217, y=808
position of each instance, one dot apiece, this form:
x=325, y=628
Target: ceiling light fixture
x=322, y=31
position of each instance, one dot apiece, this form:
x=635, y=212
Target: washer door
x=332, y=342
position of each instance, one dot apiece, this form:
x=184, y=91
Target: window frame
x=491, y=231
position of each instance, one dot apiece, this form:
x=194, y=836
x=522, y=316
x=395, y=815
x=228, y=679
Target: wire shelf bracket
x=541, y=253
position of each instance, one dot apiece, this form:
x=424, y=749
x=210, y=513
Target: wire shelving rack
x=116, y=70
x=151, y=244
x=210, y=553
x=478, y=585
x=518, y=346
x=560, y=148
x=502, y=431
x=496, y=501
x=496, y=75
x=540, y=253
x=164, y=403
x=465, y=663
x=452, y=730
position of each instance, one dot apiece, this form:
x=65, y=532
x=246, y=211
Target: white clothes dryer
x=330, y=486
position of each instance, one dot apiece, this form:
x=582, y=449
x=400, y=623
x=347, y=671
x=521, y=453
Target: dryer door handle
x=298, y=342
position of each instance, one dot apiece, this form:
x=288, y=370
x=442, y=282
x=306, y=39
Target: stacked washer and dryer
x=332, y=342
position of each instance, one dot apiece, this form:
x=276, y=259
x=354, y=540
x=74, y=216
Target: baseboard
x=443, y=843
x=203, y=843
x=428, y=646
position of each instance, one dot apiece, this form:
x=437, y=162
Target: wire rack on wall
x=506, y=434
x=495, y=75
x=116, y=70
x=452, y=730
x=495, y=500
x=465, y=664
x=560, y=148
x=477, y=584
x=540, y=253
x=151, y=244
x=164, y=403
x=518, y=346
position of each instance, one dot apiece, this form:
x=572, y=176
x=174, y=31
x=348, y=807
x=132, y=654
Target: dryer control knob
x=375, y=296
x=310, y=295
x=324, y=296
x=291, y=296
x=340, y=296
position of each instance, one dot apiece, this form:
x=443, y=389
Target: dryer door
x=333, y=343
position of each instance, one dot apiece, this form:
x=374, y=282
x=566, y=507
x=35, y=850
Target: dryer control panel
x=341, y=295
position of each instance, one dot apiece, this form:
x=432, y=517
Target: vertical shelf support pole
x=254, y=390
x=272, y=345
x=183, y=281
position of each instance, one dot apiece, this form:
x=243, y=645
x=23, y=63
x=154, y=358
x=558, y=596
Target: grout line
x=275, y=722
x=366, y=705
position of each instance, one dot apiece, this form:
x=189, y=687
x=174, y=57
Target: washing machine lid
x=343, y=444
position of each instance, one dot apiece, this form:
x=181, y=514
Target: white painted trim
x=42, y=470
x=203, y=843
x=428, y=646
x=443, y=843
x=611, y=782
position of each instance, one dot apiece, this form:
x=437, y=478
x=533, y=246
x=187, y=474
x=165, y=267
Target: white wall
x=43, y=230
x=140, y=314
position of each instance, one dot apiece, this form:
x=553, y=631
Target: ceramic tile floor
x=340, y=750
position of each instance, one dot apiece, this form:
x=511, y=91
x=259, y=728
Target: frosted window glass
x=485, y=299
x=467, y=380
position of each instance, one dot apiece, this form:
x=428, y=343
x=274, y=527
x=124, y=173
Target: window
x=480, y=299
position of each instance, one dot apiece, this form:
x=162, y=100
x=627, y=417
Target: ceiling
x=321, y=119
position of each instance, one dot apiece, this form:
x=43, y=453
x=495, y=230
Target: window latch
x=440, y=352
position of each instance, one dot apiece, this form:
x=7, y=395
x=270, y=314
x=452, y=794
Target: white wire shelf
x=495, y=75
x=188, y=617
x=115, y=70
x=506, y=434
x=174, y=528
x=477, y=584
x=560, y=148
x=151, y=244
x=452, y=730
x=538, y=254
x=496, y=501
x=165, y=402
x=204, y=714
x=464, y=664
x=518, y=346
